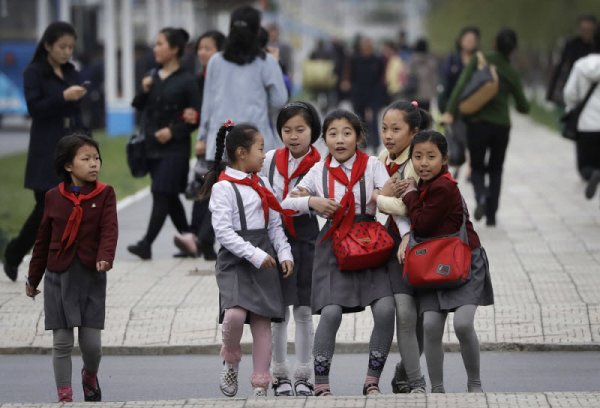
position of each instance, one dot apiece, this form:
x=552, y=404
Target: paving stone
x=335, y=402
x=397, y=401
x=569, y=400
x=517, y=401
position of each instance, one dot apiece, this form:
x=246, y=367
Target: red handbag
x=367, y=245
x=441, y=262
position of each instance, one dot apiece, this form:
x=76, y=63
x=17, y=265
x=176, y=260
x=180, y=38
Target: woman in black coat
x=163, y=97
x=53, y=91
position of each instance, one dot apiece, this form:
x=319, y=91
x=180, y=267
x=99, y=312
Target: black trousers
x=588, y=153
x=163, y=205
x=202, y=222
x=22, y=244
x=491, y=140
x=360, y=107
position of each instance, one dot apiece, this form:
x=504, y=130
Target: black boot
x=141, y=249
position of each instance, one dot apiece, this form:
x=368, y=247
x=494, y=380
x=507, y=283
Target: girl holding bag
x=436, y=208
x=342, y=187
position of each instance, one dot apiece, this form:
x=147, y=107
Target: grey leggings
x=379, y=345
x=409, y=335
x=91, y=351
x=433, y=324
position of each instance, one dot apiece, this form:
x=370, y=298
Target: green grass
x=16, y=202
x=544, y=116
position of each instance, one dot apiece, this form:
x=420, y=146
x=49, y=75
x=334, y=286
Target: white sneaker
x=229, y=380
x=259, y=392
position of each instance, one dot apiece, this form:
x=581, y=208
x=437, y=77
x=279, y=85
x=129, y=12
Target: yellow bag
x=318, y=74
x=481, y=88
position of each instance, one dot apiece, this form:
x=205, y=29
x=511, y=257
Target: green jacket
x=496, y=110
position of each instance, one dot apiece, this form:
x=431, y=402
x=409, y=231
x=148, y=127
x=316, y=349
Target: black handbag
x=136, y=152
x=570, y=119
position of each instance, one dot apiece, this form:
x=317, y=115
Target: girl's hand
x=299, y=192
x=200, y=148
x=287, y=267
x=408, y=185
x=269, y=262
x=324, y=206
x=402, y=248
x=74, y=93
x=190, y=115
x=392, y=187
x=163, y=135
x=146, y=84
x=447, y=118
x=31, y=291
x=103, y=266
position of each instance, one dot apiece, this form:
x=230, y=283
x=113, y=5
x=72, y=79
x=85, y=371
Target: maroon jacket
x=96, y=238
x=440, y=210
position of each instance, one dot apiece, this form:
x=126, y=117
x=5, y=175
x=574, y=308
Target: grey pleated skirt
x=395, y=268
x=75, y=298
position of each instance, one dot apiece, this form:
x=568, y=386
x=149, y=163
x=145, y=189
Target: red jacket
x=96, y=238
x=440, y=210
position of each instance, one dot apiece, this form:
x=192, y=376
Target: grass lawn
x=544, y=116
x=16, y=202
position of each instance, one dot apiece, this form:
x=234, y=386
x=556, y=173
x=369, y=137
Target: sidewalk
x=544, y=256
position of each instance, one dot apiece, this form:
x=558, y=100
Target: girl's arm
x=109, y=229
x=39, y=257
x=221, y=206
x=572, y=91
x=308, y=184
x=428, y=214
x=39, y=105
x=273, y=81
x=521, y=102
x=180, y=129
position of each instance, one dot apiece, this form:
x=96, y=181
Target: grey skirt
x=241, y=284
x=395, y=269
x=352, y=290
x=477, y=291
x=75, y=298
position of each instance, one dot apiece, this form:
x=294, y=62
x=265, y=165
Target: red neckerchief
x=346, y=210
x=76, y=216
x=281, y=161
x=266, y=196
x=392, y=168
x=446, y=175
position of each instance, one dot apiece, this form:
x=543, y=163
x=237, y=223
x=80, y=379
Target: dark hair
x=506, y=41
x=217, y=36
x=590, y=18
x=307, y=111
x=52, y=34
x=422, y=46
x=177, y=38
x=430, y=136
x=596, y=40
x=351, y=117
x=228, y=140
x=241, y=46
x=65, y=152
x=466, y=30
x=417, y=118
x=263, y=37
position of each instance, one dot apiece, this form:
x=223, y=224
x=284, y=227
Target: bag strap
x=462, y=232
x=272, y=171
x=587, y=96
x=240, y=204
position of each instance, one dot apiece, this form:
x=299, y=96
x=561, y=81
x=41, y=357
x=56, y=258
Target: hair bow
x=229, y=124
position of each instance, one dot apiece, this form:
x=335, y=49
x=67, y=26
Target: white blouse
x=375, y=177
x=277, y=185
x=226, y=220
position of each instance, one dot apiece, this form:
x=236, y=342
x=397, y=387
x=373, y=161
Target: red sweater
x=439, y=211
x=96, y=238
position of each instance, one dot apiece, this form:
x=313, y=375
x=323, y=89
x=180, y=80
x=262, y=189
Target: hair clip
x=239, y=23
x=229, y=124
x=415, y=104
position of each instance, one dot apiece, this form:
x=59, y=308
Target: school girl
x=74, y=248
x=349, y=177
x=252, y=242
x=436, y=208
x=402, y=120
x=299, y=126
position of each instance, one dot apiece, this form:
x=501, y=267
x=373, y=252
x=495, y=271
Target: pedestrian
x=436, y=208
x=74, y=249
x=342, y=186
x=164, y=95
x=299, y=127
x=402, y=120
x=201, y=239
x=395, y=70
x=423, y=72
x=584, y=76
x=245, y=70
x=253, y=243
x=488, y=129
x=53, y=91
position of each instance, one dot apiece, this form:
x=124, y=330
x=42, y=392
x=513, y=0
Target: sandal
x=304, y=393
x=371, y=389
x=277, y=383
x=323, y=393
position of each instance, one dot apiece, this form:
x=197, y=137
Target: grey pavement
x=13, y=141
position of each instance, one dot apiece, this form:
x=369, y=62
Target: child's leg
x=383, y=311
x=280, y=367
x=90, y=344
x=261, y=350
x=433, y=325
x=304, y=341
x=469, y=345
x=62, y=348
x=324, y=347
x=406, y=327
x=232, y=330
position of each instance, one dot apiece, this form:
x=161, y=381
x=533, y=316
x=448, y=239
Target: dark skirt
x=75, y=298
x=352, y=290
x=297, y=288
x=477, y=291
x=395, y=269
x=169, y=174
x=241, y=284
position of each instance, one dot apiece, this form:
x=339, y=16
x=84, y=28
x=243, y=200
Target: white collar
x=347, y=164
x=240, y=175
x=291, y=158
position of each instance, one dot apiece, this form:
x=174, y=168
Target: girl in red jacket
x=74, y=248
x=435, y=208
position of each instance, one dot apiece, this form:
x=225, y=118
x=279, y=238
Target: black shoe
x=141, y=249
x=490, y=221
x=11, y=271
x=399, y=384
x=592, y=186
x=181, y=255
x=208, y=251
x=479, y=211
x=91, y=394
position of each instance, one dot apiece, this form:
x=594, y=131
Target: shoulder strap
x=588, y=95
x=363, y=195
x=462, y=233
x=402, y=168
x=325, y=179
x=240, y=204
x=272, y=170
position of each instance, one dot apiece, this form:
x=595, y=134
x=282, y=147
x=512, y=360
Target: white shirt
x=226, y=220
x=277, y=184
x=375, y=177
x=585, y=72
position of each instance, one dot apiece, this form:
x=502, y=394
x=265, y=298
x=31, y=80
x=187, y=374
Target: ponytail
x=213, y=174
x=416, y=117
